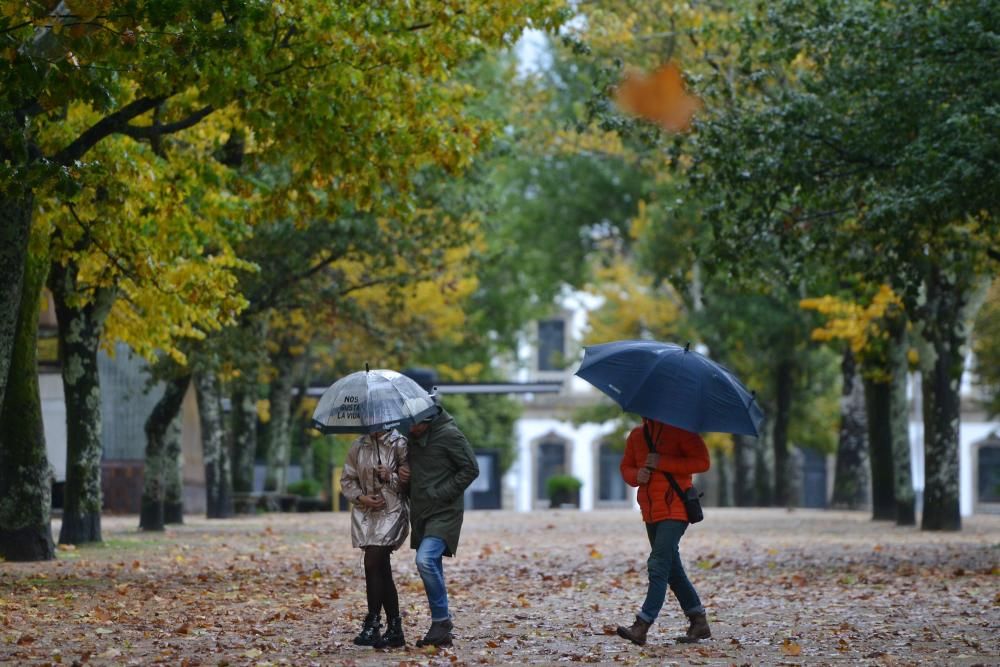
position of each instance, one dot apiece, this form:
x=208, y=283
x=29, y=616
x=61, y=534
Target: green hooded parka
x=442, y=466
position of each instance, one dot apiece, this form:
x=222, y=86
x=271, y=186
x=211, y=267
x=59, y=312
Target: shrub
x=306, y=488
x=562, y=484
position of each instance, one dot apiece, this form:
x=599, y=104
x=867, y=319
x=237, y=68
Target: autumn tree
x=877, y=335
x=828, y=148
x=637, y=104
x=155, y=70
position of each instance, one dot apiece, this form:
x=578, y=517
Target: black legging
x=378, y=582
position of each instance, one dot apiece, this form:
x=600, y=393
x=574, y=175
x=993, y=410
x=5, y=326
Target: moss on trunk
x=152, y=512
x=79, y=338
x=173, y=480
x=219, y=497
x=945, y=331
x=15, y=222
x=851, y=478
x=877, y=403
x=25, y=475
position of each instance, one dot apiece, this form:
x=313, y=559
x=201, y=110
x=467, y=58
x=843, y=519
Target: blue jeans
x=665, y=568
x=432, y=572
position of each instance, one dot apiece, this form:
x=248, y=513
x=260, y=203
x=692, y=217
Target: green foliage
x=816, y=410
x=543, y=199
x=819, y=146
x=305, y=488
x=986, y=347
x=487, y=420
x=331, y=450
x=562, y=484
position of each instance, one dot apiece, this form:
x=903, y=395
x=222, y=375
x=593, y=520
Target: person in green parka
x=441, y=466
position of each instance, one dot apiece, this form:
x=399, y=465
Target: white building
x=549, y=443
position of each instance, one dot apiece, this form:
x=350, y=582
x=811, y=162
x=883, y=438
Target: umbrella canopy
x=372, y=400
x=672, y=384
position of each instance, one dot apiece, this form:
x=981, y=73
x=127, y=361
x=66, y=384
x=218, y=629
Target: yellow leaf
x=788, y=647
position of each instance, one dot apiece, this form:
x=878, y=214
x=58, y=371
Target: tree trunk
x=742, y=471
x=244, y=420
x=25, y=475
x=878, y=405
x=79, y=339
x=900, y=418
x=173, y=481
x=279, y=440
x=152, y=510
x=218, y=489
x=245, y=417
x=762, y=490
x=784, y=384
x=945, y=331
x=15, y=223
x=725, y=493
x=851, y=484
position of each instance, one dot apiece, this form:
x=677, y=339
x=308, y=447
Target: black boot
x=393, y=636
x=438, y=635
x=369, y=631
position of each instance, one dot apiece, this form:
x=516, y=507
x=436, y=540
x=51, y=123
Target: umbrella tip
x=688, y=346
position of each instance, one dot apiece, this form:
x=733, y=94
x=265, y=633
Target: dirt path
x=800, y=587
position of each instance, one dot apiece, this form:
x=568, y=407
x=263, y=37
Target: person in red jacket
x=682, y=454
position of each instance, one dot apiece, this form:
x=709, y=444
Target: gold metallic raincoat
x=369, y=527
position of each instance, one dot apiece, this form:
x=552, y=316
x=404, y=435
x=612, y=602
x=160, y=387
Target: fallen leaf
x=788, y=647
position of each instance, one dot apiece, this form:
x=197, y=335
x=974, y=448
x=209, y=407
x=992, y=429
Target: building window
x=551, y=344
x=551, y=462
x=611, y=486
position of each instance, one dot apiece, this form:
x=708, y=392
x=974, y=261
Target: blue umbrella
x=672, y=384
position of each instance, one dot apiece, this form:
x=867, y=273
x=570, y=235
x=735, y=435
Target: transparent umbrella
x=370, y=401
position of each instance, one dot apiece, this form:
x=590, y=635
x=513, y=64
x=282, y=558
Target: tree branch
x=155, y=131
x=268, y=299
x=108, y=125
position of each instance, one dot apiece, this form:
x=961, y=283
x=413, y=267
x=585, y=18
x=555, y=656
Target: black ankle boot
x=369, y=631
x=393, y=636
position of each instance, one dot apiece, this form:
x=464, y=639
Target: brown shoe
x=438, y=635
x=635, y=634
x=697, y=630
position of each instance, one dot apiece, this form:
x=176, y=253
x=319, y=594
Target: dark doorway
x=610, y=485
x=813, y=478
x=551, y=461
x=988, y=475
x=484, y=493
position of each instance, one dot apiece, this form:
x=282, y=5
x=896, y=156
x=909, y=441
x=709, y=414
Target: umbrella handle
x=377, y=483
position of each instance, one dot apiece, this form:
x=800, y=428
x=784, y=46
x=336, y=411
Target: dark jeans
x=665, y=568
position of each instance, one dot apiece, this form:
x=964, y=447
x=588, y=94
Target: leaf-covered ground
x=801, y=587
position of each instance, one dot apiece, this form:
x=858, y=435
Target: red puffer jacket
x=682, y=453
